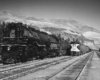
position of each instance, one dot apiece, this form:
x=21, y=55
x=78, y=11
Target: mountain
x=11, y=14
x=70, y=24
x=68, y=28
x=74, y=25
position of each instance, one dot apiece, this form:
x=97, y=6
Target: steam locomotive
x=20, y=43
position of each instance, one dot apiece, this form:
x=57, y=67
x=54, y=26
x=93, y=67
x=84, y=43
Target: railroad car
x=54, y=46
x=65, y=47
x=74, y=48
x=80, y=49
x=83, y=49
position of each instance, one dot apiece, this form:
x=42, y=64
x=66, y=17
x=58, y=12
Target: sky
x=84, y=11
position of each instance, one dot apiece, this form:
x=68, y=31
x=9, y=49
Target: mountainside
x=74, y=25
x=68, y=28
x=69, y=24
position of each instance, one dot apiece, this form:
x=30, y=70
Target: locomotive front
x=14, y=41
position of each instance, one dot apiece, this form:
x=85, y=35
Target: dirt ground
x=94, y=72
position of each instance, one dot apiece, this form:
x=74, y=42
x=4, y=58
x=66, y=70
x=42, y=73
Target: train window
x=0, y=32
x=12, y=34
x=30, y=35
x=18, y=29
x=26, y=33
x=5, y=32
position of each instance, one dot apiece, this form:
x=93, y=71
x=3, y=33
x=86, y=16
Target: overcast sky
x=84, y=11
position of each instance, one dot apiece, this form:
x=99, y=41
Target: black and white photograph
x=49, y=39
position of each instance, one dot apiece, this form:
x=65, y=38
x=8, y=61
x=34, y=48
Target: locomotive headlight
x=8, y=48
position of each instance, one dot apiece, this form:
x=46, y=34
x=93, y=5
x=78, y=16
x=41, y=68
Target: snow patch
x=70, y=32
x=91, y=34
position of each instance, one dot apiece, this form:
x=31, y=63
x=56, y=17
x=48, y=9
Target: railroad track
x=22, y=71
x=17, y=64
x=73, y=71
x=65, y=71
x=27, y=63
x=12, y=73
x=98, y=53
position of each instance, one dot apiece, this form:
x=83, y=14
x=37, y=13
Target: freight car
x=83, y=49
x=65, y=47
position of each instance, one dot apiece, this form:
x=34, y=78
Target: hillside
x=74, y=25
x=70, y=24
x=67, y=28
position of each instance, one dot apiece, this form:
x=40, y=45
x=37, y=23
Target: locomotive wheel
x=9, y=57
x=7, y=61
x=42, y=53
x=21, y=56
x=31, y=52
x=4, y=57
x=10, y=60
x=41, y=56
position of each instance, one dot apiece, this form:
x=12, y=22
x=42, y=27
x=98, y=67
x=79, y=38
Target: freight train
x=20, y=43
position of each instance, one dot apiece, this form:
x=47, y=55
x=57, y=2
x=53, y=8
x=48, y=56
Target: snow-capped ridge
x=70, y=27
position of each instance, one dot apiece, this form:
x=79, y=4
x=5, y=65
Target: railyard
x=49, y=40
x=31, y=54
x=84, y=67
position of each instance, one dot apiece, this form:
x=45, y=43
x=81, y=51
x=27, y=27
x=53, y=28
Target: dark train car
x=50, y=42
x=65, y=47
x=54, y=46
x=40, y=43
x=83, y=49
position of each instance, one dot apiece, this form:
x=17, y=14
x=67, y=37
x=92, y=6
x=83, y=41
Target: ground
x=94, y=71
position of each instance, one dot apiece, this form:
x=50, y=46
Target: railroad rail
x=3, y=67
x=68, y=70
x=23, y=70
x=18, y=72
x=98, y=53
x=73, y=71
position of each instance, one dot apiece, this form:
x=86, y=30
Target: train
x=20, y=43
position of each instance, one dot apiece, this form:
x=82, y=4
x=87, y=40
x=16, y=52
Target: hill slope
x=68, y=28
